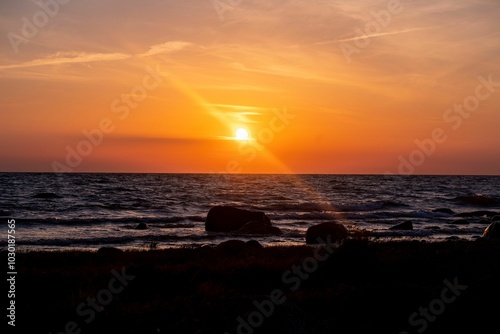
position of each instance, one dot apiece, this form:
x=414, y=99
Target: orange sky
x=321, y=86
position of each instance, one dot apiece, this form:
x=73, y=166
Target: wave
x=478, y=214
x=5, y=213
x=303, y=216
x=478, y=200
x=372, y=206
x=123, y=239
x=388, y=215
x=46, y=196
x=326, y=206
x=300, y=207
x=102, y=221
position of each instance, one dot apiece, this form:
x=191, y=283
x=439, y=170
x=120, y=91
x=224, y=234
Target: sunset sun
x=242, y=134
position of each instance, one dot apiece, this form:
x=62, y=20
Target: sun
x=242, y=134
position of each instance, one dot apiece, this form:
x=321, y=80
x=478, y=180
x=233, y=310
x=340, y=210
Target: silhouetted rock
x=496, y=218
x=444, y=210
x=492, y=232
x=406, y=226
x=232, y=246
x=255, y=227
x=109, y=250
x=142, y=226
x=254, y=244
x=228, y=218
x=335, y=231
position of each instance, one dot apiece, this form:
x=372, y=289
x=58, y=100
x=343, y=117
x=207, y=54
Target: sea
x=87, y=211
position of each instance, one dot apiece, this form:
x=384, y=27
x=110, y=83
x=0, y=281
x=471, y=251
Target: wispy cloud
x=160, y=140
x=280, y=70
x=239, y=113
x=75, y=57
x=68, y=58
x=355, y=38
x=248, y=110
x=167, y=47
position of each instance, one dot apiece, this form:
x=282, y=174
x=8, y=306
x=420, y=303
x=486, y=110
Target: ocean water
x=87, y=211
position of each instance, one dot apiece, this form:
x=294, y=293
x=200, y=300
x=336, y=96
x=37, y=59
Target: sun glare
x=242, y=134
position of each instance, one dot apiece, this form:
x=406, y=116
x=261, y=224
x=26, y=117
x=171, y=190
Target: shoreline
x=147, y=248
x=357, y=287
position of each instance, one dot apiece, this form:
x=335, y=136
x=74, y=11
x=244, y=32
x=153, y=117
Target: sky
x=321, y=86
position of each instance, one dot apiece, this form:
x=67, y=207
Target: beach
x=152, y=253
x=359, y=287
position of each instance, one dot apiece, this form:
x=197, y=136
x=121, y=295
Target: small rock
x=408, y=225
x=142, y=226
x=109, y=250
x=334, y=231
x=254, y=244
x=232, y=246
x=492, y=232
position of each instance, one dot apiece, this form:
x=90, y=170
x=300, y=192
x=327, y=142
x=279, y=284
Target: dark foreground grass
x=361, y=288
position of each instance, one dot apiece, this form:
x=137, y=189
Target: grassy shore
x=361, y=287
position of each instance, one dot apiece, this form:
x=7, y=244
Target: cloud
x=239, y=113
x=248, y=110
x=167, y=47
x=128, y=140
x=72, y=57
x=75, y=57
x=373, y=35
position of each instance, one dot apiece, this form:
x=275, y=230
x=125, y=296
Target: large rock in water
x=492, y=232
x=255, y=227
x=229, y=219
x=335, y=231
